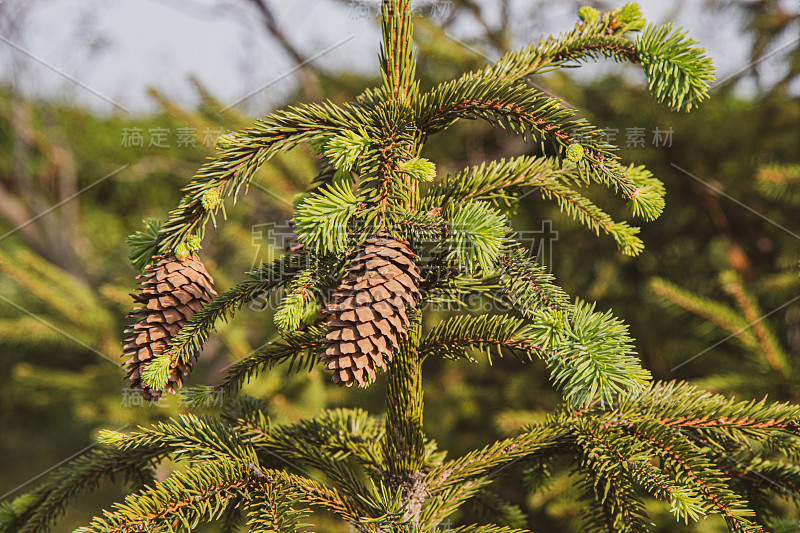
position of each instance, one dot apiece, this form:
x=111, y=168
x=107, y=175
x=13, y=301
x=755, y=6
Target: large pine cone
x=369, y=309
x=172, y=291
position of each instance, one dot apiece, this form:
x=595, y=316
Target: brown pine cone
x=172, y=291
x=368, y=309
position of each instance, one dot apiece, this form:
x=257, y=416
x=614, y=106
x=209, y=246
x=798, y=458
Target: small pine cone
x=368, y=309
x=172, y=291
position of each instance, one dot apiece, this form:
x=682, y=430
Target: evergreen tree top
x=381, y=235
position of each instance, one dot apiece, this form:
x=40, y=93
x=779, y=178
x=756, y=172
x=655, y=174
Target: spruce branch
x=339, y=433
x=419, y=226
x=693, y=468
x=502, y=181
x=613, y=503
x=203, y=493
x=474, y=528
x=456, y=481
x=774, y=354
x=309, y=444
x=231, y=460
x=452, y=338
x=683, y=406
x=590, y=354
x=235, y=165
x=477, y=233
x=529, y=113
x=260, y=281
x=299, y=348
x=455, y=292
x=180, y=502
x=492, y=506
x=199, y=438
x=527, y=284
x=647, y=201
x=455, y=474
x=586, y=213
x=720, y=314
x=38, y=509
x=499, y=182
x=769, y=477
x=635, y=463
x=613, y=473
x=678, y=74
x=270, y=510
x=596, y=36
x=322, y=217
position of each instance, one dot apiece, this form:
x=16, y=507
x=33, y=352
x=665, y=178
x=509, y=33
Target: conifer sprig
x=235, y=165
x=322, y=218
x=453, y=338
x=40, y=508
x=144, y=244
x=527, y=285
x=341, y=433
x=477, y=232
x=678, y=74
x=474, y=528
x=595, y=36
x=592, y=355
x=299, y=348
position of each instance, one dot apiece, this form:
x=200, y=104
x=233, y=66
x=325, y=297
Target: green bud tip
x=575, y=152
x=226, y=141
x=629, y=13
x=588, y=14
x=420, y=169
x=630, y=16
x=193, y=243
x=210, y=200
x=182, y=251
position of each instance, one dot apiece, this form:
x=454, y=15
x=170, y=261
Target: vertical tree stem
x=403, y=447
x=397, y=57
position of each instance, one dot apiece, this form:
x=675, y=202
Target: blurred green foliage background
x=723, y=255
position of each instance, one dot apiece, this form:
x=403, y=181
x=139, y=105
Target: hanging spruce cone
x=369, y=309
x=171, y=292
